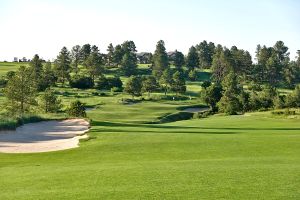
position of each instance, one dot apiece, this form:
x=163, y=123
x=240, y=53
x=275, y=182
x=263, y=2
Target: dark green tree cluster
x=123, y=55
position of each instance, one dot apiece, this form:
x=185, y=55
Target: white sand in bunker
x=44, y=136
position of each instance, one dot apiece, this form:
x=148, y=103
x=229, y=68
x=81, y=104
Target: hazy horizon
x=44, y=27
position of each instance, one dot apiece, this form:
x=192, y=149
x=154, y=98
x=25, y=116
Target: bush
x=204, y=114
x=205, y=84
x=76, y=109
x=107, y=83
x=3, y=82
x=81, y=82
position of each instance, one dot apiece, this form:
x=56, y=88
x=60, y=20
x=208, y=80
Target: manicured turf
x=237, y=157
x=254, y=156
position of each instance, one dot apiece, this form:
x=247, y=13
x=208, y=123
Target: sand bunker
x=44, y=136
x=194, y=110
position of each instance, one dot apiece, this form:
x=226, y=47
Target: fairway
x=150, y=100
x=233, y=157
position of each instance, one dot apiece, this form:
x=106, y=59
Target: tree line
x=232, y=69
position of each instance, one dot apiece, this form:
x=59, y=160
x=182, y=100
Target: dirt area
x=44, y=136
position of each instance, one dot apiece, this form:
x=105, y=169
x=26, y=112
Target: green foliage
x=110, y=55
x=81, y=82
x=76, y=109
x=178, y=59
x=63, y=65
x=178, y=83
x=193, y=75
x=49, y=102
x=221, y=64
x=160, y=59
x=230, y=103
x=166, y=80
x=205, y=84
x=205, y=52
x=293, y=99
x=129, y=64
x=36, y=66
x=134, y=86
x=94, y=63
x=192, y=60
x=20, y=91
x=76, y=57
x=149, y=84
x=49, y=77
x=13, y=123
x=212, y=95
x=107, y=83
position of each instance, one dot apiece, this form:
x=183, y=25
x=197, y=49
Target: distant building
x=16, y=59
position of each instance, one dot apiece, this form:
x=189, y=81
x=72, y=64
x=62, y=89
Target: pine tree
x=160, y=59
x=63, y=65
x=76, y=56
x=178, y=84
x=192, y=60
x=49, y=102
x=129, y=64
x=20, y=91
x=178, y=60
x=230, y=103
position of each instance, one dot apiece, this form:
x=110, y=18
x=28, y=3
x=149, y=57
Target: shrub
x=107, y=83
x=3, y=82
x=77, y=109
x=81, y=82
x=49, y=102
x=206, y=84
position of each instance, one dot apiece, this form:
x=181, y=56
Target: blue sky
x=44, y=26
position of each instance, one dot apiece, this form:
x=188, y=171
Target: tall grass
x=13, y=123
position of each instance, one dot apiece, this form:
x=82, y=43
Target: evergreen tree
x=212, y=95
x=149, y=84
x=20, y=91
x=134, y=86
x=166, y=80
x=206, y=52
x=129, y=64
x=63, y=65
x=230, y=103
x=221, y=65
x=118, y=55
x=178, y=83
x=76, y=56
x=36, y=66
x=110, y=55
x=160, y=59
x=178, y=60
x=49, y=102
x=85, y=52
x=49, y=75
x=94, y=63
x=192, y=60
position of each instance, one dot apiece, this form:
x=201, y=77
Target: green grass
x=222, y=157
x=253, y=156
x=10, y=66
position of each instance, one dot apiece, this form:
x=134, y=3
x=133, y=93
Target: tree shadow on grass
x=162, y=126
x=103, y=130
